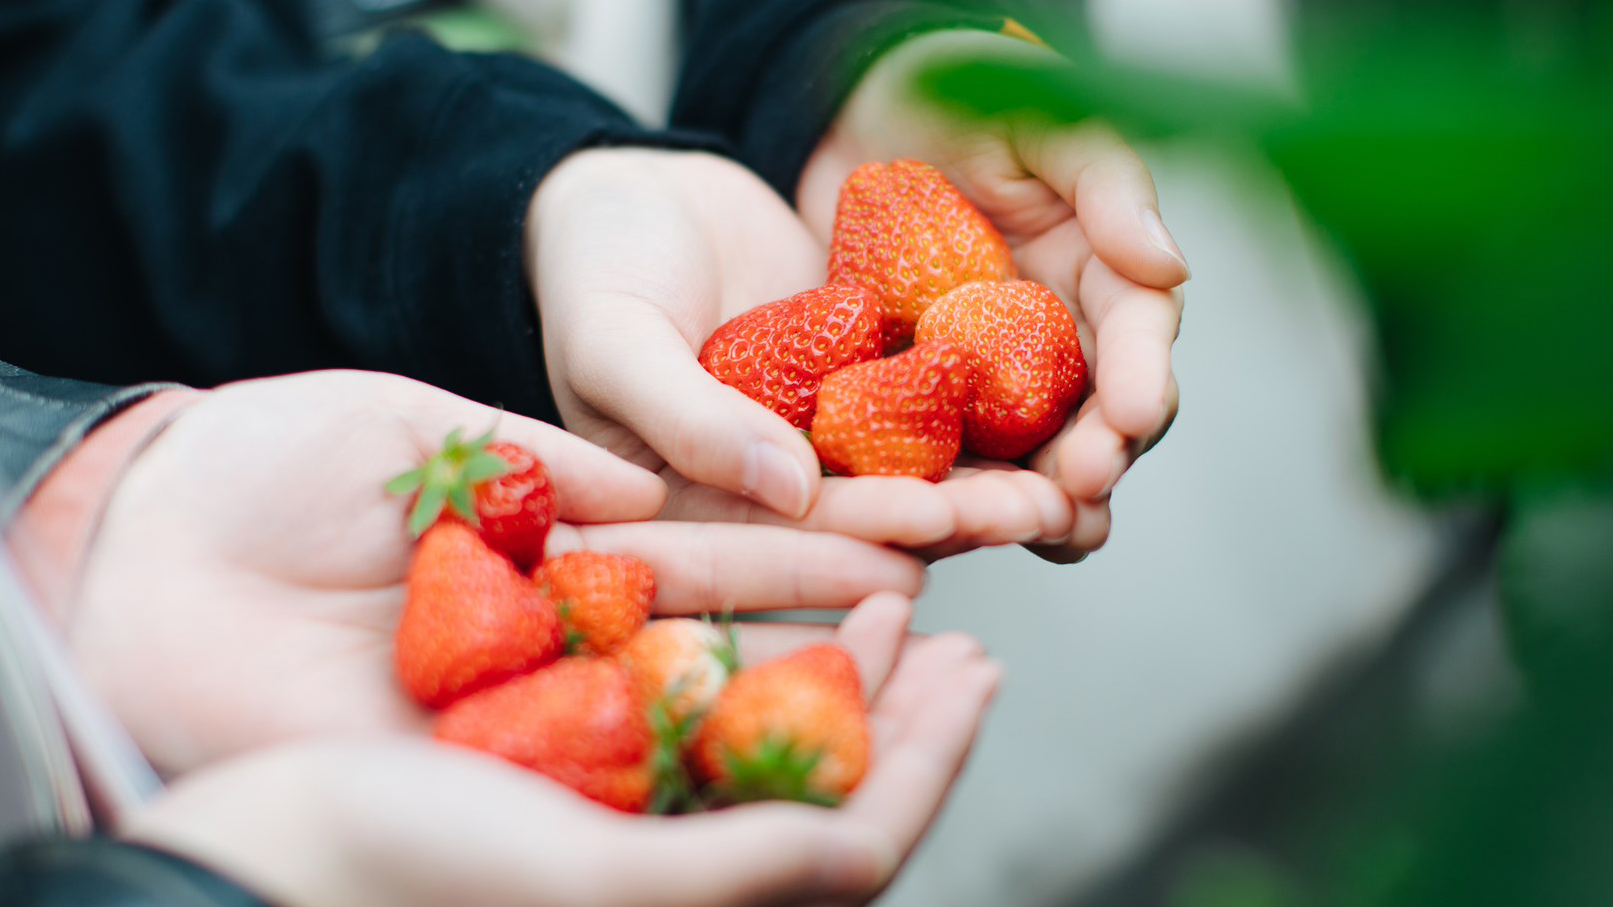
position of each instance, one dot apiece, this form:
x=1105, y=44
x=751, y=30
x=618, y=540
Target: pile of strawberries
x=973, y=357
x=553, y=663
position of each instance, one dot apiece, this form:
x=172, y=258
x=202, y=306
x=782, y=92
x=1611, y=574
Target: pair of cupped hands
x=237, y=607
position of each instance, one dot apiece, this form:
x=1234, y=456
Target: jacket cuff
x=100, y=872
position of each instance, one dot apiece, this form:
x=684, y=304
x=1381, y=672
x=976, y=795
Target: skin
x=1079, y=210
x=387, y=819
x=639, y=255
x=245, y=582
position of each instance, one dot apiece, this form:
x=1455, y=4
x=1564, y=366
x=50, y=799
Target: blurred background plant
x=1460, y=156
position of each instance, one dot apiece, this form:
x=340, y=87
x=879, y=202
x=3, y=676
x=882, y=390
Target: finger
x=1109, y=186
x=1052, y=506
x=591, y=484
x=1134, y=329
x=642, y=373
x=873, y=632
x=1091, y=531
x=990, y=509
x=891, y=510
x=914, y=769
x=720, y=567
x=767, y=853
x=1087, y=457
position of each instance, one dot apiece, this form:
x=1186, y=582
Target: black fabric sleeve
x=191, y=193
x=41, y=419
x=769, y=75
x=100, y=872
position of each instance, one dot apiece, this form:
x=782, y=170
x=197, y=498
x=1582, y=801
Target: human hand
x=638, y=256
x=421, y=824
x=1078, y=208
x=248, y=575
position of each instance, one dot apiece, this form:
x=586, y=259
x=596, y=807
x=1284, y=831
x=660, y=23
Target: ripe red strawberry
x=901, y=416
x=499, y=487
x=777, y=354
x=603, y=598
x=1025, y=353
x=905, y=232
x=578, y=721
x=793, y=728
x=681, y=663
x=470, y=619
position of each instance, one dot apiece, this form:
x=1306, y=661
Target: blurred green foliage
x=1460, y=155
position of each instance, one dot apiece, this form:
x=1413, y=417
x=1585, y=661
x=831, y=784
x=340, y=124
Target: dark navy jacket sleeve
x=103, y=873
x=769, y=75
x=189, y=191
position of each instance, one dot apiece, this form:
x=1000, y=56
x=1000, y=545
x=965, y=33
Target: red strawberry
x=777, y=354
x=793, y=728
x=499, y=487
x=470, y=619
x=1026, y=356
x=905, y=232
x=603, y=598
x=681, y=663
x=578, y=721
x=901, y=416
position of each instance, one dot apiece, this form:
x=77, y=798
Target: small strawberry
x=603, y=598
x=579, y=721
x=470, y=619
x=680, y=662
x=905, y=232
x=777, y=354
x=1026, y=355
x=901, y=416
x=499, y=487
x=794, y=728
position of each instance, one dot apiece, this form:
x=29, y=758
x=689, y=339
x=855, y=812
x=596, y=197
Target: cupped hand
x=249, y=572
x=400, y=821
x=637, y=256
x=1078, y=207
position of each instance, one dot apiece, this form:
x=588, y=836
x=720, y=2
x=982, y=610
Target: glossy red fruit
x=778, y=354
x=500, y=487
x=793, y=728
x=905, y=232
x=603, y=598
x=900, y=416
x=470, y=619
x=1028, y=371
x=579, y=721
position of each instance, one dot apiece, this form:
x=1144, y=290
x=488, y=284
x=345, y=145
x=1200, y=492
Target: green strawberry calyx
x=778, y=769
x=449, y=478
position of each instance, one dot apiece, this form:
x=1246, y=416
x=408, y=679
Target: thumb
x=644, y=375
x=761, y=853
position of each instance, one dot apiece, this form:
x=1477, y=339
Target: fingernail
x=776, y=479
x=1162, y=239
x=1116, y=471
x=860, y=860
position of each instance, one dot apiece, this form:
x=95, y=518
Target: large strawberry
x=1026, y=355
x=794, y=728
x=899, y=416
x=603, y=598
x=680, y=663
x=905, y=232
x=579, y=721
x=499, y=487
x=777, y=354
x=470, y=619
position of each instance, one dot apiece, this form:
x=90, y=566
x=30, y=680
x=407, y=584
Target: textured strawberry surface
x=899, y=416
x=517, y=509
x=1025, y=355
x=579, y=721
x=905, y=232
x=470, y=619
x=779, y=353
x=603, y=598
